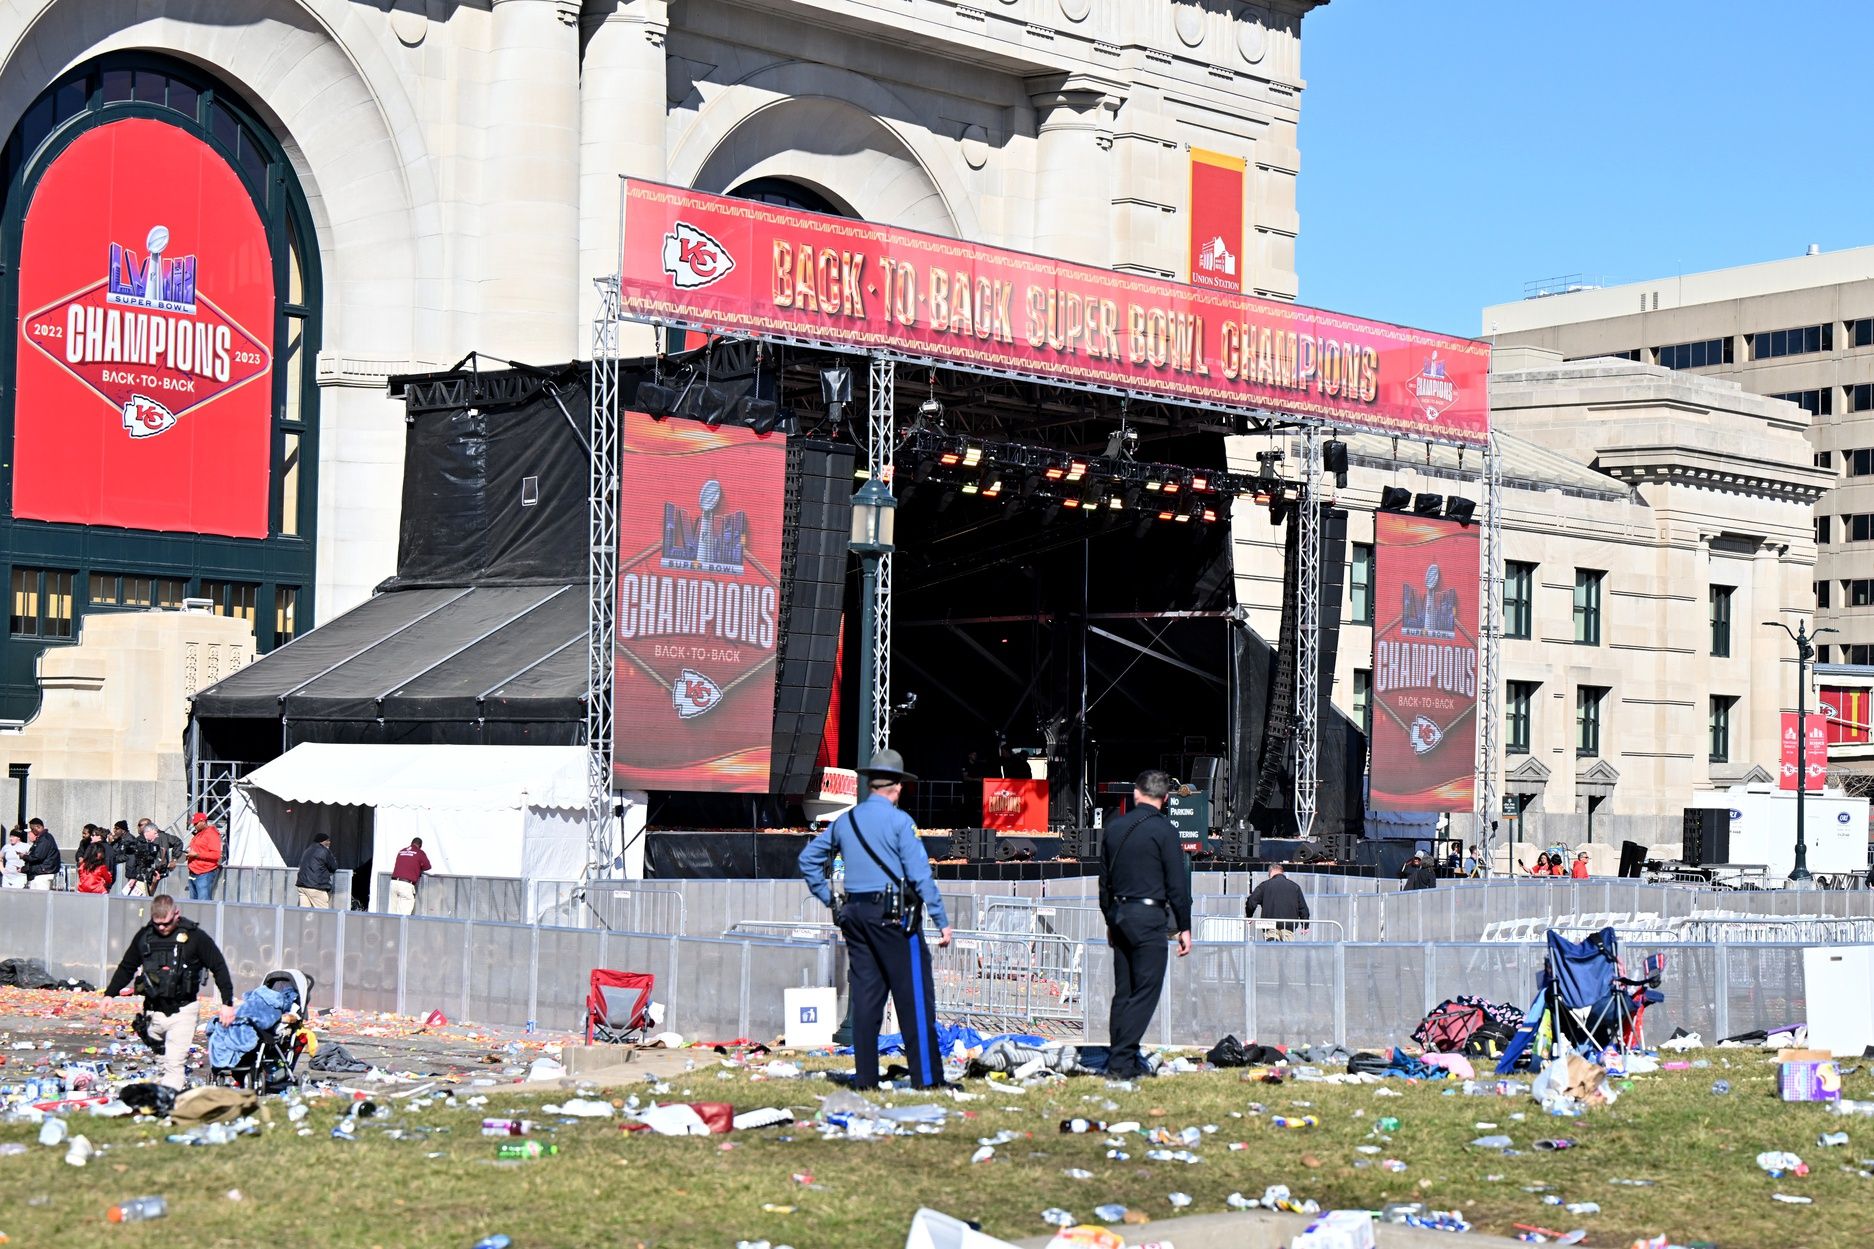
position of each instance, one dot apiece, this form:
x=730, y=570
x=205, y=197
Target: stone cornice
x=1712, y=474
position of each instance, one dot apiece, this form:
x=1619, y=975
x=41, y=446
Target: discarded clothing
x=1231, y=1052
x=1018, y=1057
x=335, y=1059
x=31, y=973
x=214, y=1104
x=260, y=1010
x=148, y=1099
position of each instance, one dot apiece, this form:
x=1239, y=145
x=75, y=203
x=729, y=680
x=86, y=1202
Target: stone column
x=1074, y=116
x=530, y=184
x=622, y=122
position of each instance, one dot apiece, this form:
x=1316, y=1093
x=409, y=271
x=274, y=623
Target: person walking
x=165, y=963
x=317, y=868
x=42, y=856
x=1419, y=874
x=405, y=875
x=205, y=855
x=1143, y=878
x=13, y=864
x=1279, y=899
x=888, y=888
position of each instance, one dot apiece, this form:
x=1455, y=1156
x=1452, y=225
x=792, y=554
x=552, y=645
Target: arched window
x=162, y=294
x=788, y=193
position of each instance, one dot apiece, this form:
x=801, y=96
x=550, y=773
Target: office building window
x=1519, y=593
x=1519, y=700
x=1588, y=607
x=1861, y=397
x=1631, y=353
x=1858, y=653
x=1858, y=528
x=42, y=603
x=1859, y=462
x=1699, y=355
x=1721, y=621
x=1822, y=653
x=1363, y=700
x=1588, y=700
x=109, y=589
x=1825, y=459
x=232, y=598
x=1860, y=593
x=1861, y=332
x=1815, y=402
x=1360, y=584
x=1821, y=594
x=1822, y=530
x=1798, y=342
x=285, y=614
x=1721, y=727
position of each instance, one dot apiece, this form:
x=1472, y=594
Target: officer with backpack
x=165, y=963
x=888, y=885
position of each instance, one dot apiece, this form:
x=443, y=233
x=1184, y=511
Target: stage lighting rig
x=1427, y=504
x=1460, y=509
x=1394, y=499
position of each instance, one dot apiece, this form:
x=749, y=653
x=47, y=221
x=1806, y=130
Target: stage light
x=1460, y=509
x=1115, y=503
x=1154, y=484
x=970, y=487
x=1171, y=487
x=992, y=485
x=1427, y=504
x=1131, y=499
x=931, y=410
x=1055, y=472
x=972, y=456
x=836, y=390
x=1076, y=469
x=762, y=415
x=657, y=400
x=1167, y=516
x=1182, y=517
x=1394, y=499
x=1070, y=502
x=1200, y=482
x=1280, y=506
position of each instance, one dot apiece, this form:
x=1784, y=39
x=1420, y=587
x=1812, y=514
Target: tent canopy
x=454, y=778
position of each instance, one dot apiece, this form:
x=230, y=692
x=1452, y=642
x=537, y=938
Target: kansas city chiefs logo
x=144, y=417
x=1425, y=735
x=694, y=694
x=693, y=259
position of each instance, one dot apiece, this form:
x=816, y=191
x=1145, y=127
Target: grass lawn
x=617, y=1190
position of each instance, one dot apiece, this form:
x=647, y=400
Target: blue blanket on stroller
x=260, y=1009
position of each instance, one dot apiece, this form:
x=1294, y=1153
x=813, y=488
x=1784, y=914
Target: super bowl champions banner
x=711, y=262
x=1424, y=744
x=699, y=606
x=146, y=297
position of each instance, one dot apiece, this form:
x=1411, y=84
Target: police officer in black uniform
x=1143, y=879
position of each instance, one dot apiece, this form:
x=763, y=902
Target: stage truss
x=1489, y=650
x=606, y=479
x=1308, y=636
x=881, y=441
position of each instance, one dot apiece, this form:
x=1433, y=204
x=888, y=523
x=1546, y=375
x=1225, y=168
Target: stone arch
x=840, y=133
x=336, y=108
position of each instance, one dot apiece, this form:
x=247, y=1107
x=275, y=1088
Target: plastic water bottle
x=525, y=1151
x=52, y=1133
x=1847, y=1107
x=506, y=1127
x=137, y=1210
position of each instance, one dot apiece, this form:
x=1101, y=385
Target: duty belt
x=1146, y=901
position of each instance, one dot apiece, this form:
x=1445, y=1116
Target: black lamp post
x=1805, y=655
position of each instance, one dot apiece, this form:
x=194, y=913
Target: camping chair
x=1584, y=999
x=618, y=1005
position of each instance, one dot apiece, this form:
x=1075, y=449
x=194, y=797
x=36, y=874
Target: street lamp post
x=1805, y=655
x=873, y=514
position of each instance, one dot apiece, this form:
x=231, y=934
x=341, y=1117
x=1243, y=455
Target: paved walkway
x=1265, y=1229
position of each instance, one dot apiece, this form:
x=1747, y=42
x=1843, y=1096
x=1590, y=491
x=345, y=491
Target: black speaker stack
x=816, y=532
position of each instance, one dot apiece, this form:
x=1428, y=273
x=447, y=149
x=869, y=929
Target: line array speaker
x=816, y=533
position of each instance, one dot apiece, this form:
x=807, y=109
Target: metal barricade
x=1228, y=930
x=618, y=905
x=1005, y=982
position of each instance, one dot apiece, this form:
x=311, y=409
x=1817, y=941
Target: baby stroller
x=261, y=1049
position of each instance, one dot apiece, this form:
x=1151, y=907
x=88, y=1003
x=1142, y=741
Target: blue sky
x=1453, y=150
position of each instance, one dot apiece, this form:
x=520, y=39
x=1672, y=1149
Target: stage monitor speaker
x=816, y=531
x=1082, y=844
x=1707, y=837
x=1236, y=845
x=1632, y=858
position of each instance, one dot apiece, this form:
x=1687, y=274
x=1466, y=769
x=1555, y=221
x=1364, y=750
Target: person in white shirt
x=14, y=876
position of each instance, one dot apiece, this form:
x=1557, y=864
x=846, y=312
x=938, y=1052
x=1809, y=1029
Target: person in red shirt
x=205, y=852
x=1580, y=869
x=94, y=863
x=405, y=876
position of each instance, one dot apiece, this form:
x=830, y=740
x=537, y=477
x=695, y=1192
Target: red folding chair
x=618, y=1005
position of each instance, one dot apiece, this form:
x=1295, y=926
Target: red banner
x=144, y=397
x=699, y=606
x=1815, y=752
x=1847, y=713
x=1217, y=220
x=1424, y=746
x=1011, y=806
x=713, y=262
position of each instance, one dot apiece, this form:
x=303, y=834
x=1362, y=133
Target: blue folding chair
x=1584, y=999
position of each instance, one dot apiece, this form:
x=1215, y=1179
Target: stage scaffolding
x=1308, y=636
x=1489, y=651
x=605, y=482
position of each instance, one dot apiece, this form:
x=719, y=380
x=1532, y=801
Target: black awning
x=432, y=656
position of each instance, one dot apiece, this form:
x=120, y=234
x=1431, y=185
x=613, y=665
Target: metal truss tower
x=1489, y=648
x=1308, y=636
x=606, y=438
x=881, y=441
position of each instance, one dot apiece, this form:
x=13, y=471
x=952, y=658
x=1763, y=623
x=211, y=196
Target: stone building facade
x=1652, y=520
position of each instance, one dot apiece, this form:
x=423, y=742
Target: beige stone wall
x=461, y=160
x=1668, y=485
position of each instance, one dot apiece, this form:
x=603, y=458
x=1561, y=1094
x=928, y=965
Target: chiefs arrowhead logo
x=694, y=694
x=1425, y=735
x=693, y=259
x=144, y=417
